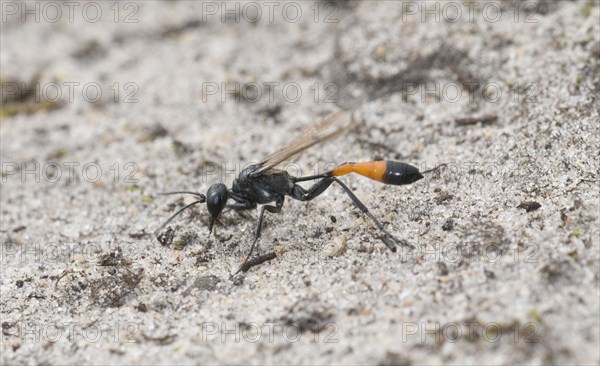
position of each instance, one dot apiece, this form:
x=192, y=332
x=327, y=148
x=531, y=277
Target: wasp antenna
x=175, y=215
x=434, y=169
x=202, y=197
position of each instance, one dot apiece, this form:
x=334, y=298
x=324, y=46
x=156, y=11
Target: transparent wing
x=330, y=127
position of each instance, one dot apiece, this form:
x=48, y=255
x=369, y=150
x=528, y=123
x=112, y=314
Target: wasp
x=266, y=184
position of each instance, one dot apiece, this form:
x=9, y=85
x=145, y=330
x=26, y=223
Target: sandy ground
x=104, y=106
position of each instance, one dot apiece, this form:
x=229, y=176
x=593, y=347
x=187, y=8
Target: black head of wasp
x=264, y=183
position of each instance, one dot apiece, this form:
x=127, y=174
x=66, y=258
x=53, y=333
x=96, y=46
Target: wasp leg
x=241, y=203
x=272, y=209
x=316, y=189
x=313, y=191
x=241, y=208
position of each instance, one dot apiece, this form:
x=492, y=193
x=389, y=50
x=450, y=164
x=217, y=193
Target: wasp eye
x=216, y=199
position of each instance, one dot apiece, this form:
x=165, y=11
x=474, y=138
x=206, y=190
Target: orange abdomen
x=388, y=172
